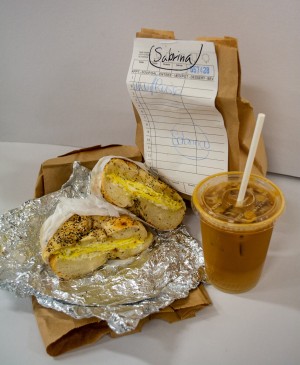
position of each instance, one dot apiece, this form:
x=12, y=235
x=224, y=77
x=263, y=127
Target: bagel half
x=126, y=185
x=84, y=243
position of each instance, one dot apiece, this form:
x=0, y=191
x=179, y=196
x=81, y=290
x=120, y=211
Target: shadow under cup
x=236, y=239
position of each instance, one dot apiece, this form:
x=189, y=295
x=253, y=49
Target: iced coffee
x=236, y=238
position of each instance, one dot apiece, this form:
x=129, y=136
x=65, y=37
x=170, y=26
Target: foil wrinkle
x=122, y=292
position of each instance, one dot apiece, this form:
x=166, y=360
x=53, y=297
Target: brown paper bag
x=61, y=333
x=237, y=113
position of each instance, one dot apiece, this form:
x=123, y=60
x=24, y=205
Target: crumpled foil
x=122, y=292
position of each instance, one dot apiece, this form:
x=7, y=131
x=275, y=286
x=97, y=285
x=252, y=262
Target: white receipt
x=173, y=85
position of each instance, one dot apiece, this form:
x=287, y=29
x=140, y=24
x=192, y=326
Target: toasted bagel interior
x=108, y=238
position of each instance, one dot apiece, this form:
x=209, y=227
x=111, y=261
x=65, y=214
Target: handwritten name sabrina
x=181, y=61
x=171, y=56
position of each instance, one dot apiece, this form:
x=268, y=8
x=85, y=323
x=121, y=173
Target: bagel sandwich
x=127, y=185
x=84, y=243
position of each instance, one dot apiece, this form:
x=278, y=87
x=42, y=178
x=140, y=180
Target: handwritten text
x=156, y=86
x=180, y=61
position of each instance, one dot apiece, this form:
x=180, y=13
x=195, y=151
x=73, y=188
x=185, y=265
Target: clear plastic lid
x=215, y=199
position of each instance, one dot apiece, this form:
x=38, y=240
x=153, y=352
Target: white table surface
x=259, y=327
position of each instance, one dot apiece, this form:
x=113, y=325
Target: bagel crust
x=126, y=185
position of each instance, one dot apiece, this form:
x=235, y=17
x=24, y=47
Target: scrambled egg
x=139, y=189
x=78, y=250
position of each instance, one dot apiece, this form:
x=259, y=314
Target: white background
x=63, y=66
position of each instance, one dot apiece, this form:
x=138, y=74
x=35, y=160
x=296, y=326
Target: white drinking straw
x=250, y=159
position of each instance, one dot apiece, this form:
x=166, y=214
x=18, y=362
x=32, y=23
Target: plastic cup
x=236, y=239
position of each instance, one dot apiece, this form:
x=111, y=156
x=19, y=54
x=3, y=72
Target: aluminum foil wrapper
x=121, y=292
